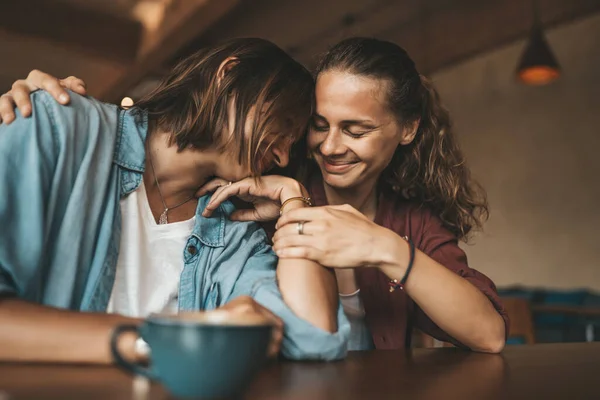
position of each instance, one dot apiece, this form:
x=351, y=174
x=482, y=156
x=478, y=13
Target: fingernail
x=63, y=98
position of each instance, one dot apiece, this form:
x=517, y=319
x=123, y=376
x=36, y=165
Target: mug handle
x=122, y=362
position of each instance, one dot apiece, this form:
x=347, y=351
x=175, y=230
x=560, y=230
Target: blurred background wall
x=536, y=150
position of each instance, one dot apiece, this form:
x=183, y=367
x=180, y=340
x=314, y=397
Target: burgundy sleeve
x=442, y=246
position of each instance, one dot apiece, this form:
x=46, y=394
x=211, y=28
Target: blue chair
x=553, y=327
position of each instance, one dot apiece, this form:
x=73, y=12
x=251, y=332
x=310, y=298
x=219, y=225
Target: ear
x=225, y=67
x=409, y=132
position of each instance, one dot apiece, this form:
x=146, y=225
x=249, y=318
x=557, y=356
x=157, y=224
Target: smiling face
x=354, y=134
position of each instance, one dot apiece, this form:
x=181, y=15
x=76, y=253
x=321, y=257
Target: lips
x=338, y=167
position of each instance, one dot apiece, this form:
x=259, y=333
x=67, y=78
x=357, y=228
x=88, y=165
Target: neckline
x=149, y=217
x=317, y=192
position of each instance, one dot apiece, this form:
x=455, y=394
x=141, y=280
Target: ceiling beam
x=441, y=33
x=436, y=33
x=184, y=21
x=85, y=30
x=450, y=35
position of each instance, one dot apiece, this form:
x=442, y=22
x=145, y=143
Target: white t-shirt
x=150, y=260
x=360, y=336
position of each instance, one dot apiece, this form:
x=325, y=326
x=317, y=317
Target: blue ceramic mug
x=200, y=355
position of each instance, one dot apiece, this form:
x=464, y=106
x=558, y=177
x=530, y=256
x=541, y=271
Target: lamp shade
x=538, y=66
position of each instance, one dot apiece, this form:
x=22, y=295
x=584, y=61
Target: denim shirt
x=63, y=172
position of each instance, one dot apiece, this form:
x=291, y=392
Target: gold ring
x=300, y=228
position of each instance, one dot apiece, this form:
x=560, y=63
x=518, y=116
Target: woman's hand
x=246, y=308
x=21, y=89
x=266, y=195
x=336, y=237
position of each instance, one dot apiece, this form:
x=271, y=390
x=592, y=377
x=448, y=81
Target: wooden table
x=555, y=371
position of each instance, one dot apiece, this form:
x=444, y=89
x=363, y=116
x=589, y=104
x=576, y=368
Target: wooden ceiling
x=112, y=44
x=120, y=46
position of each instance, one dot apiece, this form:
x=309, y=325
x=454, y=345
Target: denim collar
x=130, y=153
x=130, y=150
x=211, y=231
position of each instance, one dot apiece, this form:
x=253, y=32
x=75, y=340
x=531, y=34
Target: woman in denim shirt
x=98, y=211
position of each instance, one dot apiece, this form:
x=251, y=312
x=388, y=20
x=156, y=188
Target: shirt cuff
x=301, y=339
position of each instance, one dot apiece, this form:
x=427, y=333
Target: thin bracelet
x=394, y=284
x=305, y=200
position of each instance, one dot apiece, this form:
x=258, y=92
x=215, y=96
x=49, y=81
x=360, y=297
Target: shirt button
x=192, y=250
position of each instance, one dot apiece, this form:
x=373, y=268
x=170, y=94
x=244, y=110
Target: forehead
x=342, y=95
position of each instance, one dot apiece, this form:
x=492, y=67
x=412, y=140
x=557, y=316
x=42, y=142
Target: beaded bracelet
x=394, y=283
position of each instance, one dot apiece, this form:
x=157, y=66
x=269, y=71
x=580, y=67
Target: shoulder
x=80, y=107
x=51, y=126
x=249, y=235
x=84, y=118
x=233, y=236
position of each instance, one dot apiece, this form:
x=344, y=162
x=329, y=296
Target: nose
x=281, y=156
x=332, y=145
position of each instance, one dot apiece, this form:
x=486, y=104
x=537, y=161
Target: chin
x=339, y=181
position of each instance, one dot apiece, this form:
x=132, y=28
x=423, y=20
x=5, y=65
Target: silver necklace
x=164, y=218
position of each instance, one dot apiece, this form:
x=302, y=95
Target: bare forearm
x=452, y=302
x=309, y=289
x=34, y=333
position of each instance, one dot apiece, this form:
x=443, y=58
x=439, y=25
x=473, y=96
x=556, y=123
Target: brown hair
x=432, y=168
x=192, y=103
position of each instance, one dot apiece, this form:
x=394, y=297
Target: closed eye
x=319, y=127
x=357, y=133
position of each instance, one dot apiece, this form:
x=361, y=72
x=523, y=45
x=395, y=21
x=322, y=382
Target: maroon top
x=391, y=316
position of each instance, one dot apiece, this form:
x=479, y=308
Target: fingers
x=21, y=89
x=245, y=305
x=277, y=322
x=20, y=93
x=222, y=194
x=309, y=228
x=211, y=186
x=306, y=253
x=317, y=213
x=302, y=214
x=276, y=340
x=40, y=80
x=75, y=84
x=7, y=105
x=293, y=241
x=277, y=332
